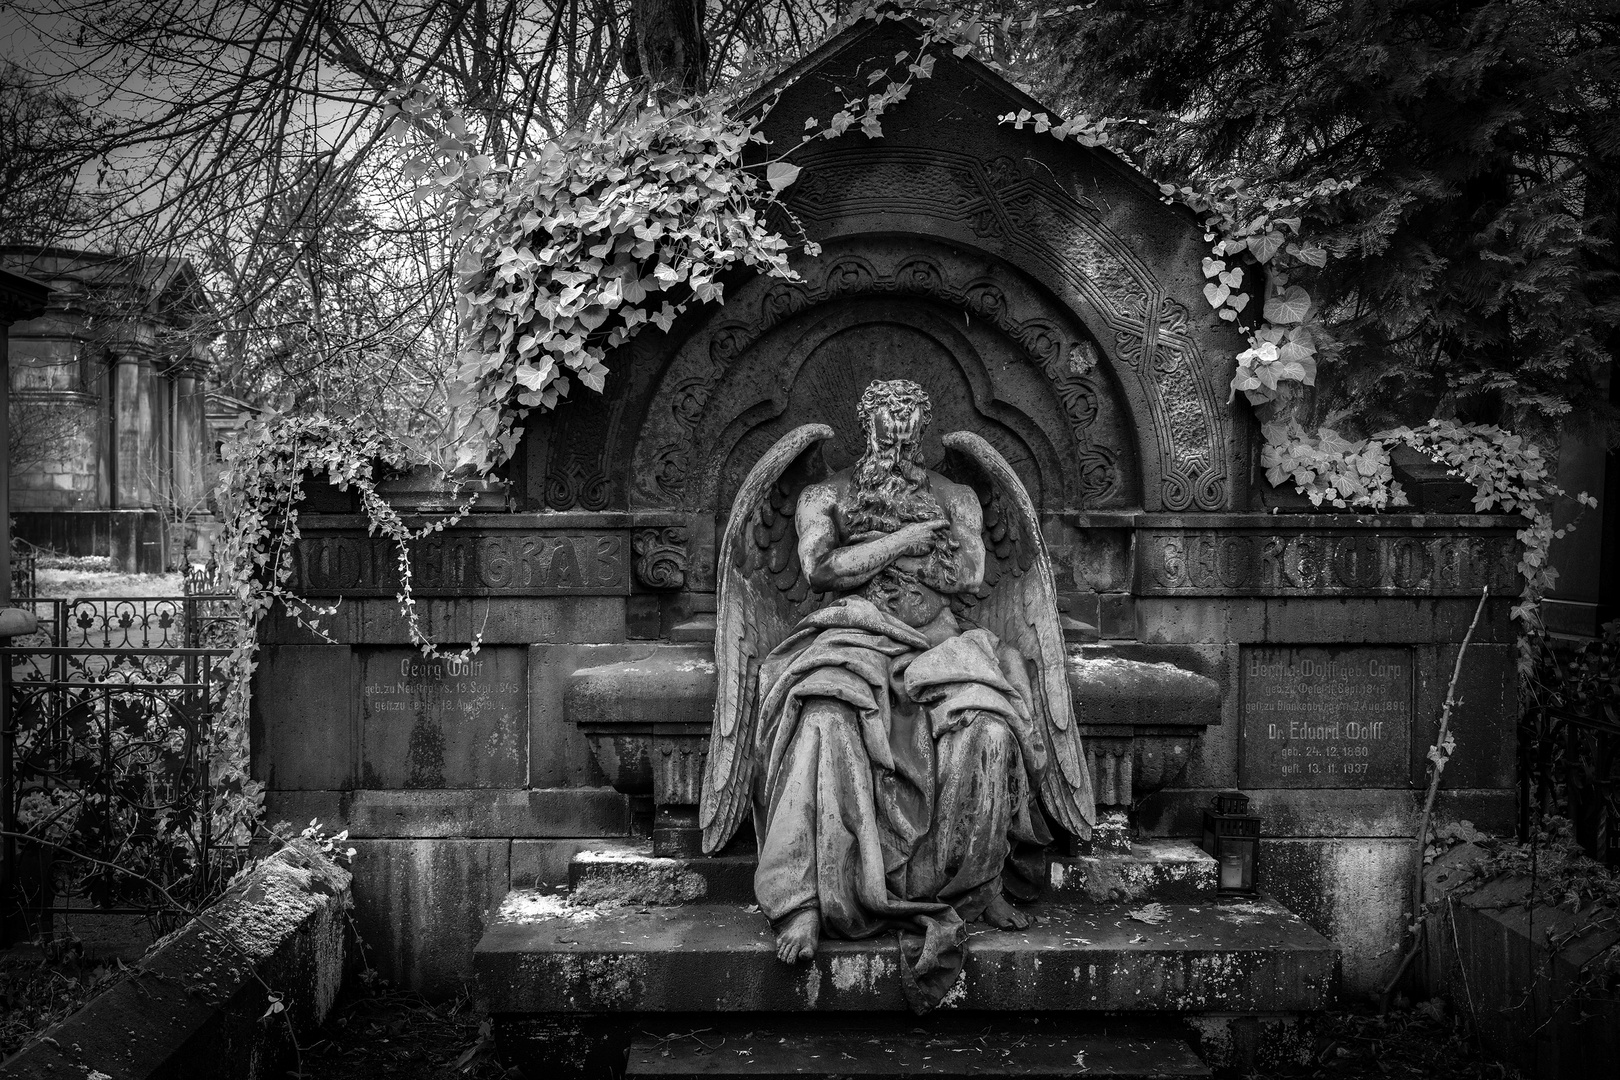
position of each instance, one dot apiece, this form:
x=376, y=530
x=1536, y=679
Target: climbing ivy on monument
x=568, y=254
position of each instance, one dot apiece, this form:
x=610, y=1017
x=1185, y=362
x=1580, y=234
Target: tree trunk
x=664, y=45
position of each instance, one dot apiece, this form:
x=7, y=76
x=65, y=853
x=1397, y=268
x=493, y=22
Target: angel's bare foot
x=798, y=937
x=1003, y=916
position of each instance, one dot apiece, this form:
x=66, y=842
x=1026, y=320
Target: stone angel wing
x=1018, y=603
x=763, y=594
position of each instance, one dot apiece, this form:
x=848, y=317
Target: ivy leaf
x=1265, y=246
x=779, y=174
x=1291, y=306
x=1216, y=294
x=1212, y=267
x=1295, y=352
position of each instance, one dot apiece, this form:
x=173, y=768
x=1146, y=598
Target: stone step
x=1167, y=871
x=635, y=876
x=542, y=954
x=879, y=1054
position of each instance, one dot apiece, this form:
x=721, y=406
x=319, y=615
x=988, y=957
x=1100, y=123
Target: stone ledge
x=193, y=1006
x=634, y=876
x=676, y=684
x=1168, y=871
x=542, y=955
x=881, y=1053
x=473, y=813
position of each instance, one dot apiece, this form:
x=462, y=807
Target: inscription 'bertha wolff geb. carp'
x=582, y=562
x=1325, y=717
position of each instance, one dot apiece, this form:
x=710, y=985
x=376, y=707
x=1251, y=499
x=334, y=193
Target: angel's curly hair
x=895, y=394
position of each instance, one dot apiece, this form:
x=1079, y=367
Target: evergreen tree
x=1474, y=269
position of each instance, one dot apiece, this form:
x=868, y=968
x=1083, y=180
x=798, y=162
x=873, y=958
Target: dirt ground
x=39, y=986
x=58, y=580
x=389, y=1035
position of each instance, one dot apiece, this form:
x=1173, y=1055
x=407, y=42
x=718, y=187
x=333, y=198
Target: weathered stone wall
x=460, y=781
x=455, y=783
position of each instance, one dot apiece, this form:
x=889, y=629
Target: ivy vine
x=263, y=481
x=567, y=255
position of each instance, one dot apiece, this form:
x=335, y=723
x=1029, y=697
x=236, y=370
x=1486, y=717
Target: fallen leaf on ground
x=1152, y=914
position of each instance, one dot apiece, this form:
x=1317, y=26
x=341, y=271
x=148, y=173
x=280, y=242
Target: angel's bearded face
x=889, y=476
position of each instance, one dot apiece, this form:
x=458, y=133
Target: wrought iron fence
x=202, y=579
x=135, y=622
x=110, y=722
x=106, y=756
x=24, y=569
x=1570, y=763
x=1569, y=742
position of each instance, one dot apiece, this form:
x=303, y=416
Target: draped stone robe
x=898, y=783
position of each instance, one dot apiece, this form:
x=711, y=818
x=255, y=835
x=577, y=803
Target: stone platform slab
x=542, y=955
x=888, y=1055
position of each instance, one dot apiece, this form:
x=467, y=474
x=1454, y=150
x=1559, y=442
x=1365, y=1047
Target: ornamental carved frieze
x=1325, y=562
x=466, y=562
x=1069, y=360
x=1004, y=202
x=660, y=557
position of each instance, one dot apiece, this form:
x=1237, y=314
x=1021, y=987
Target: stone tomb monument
x=537, y=818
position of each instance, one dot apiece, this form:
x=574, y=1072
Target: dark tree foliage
x=46, y=139
x=1474, y=273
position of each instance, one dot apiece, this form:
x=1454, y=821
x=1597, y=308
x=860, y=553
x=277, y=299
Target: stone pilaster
x=192, y=446
x=131, y=428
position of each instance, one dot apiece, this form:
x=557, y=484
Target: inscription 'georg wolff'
x=1326, y=717
x=529, y=563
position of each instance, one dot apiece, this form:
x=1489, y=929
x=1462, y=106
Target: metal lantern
x=1232, y=835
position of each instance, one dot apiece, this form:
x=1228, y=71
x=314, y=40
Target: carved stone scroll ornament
x=660, y=557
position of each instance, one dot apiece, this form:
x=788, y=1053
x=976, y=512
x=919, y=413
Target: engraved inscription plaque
x=444, y=722
x=1325, y=717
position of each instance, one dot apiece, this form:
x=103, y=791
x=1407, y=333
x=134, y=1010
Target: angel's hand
x=919, y=537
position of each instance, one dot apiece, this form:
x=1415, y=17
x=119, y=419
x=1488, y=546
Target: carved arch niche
x=996, y=353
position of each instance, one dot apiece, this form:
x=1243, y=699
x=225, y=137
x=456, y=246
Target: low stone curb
x=193, y=1007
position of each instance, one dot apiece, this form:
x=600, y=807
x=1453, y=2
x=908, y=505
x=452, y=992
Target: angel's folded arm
x=828, y=566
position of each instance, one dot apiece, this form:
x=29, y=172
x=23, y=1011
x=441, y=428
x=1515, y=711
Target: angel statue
x=893, y=705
